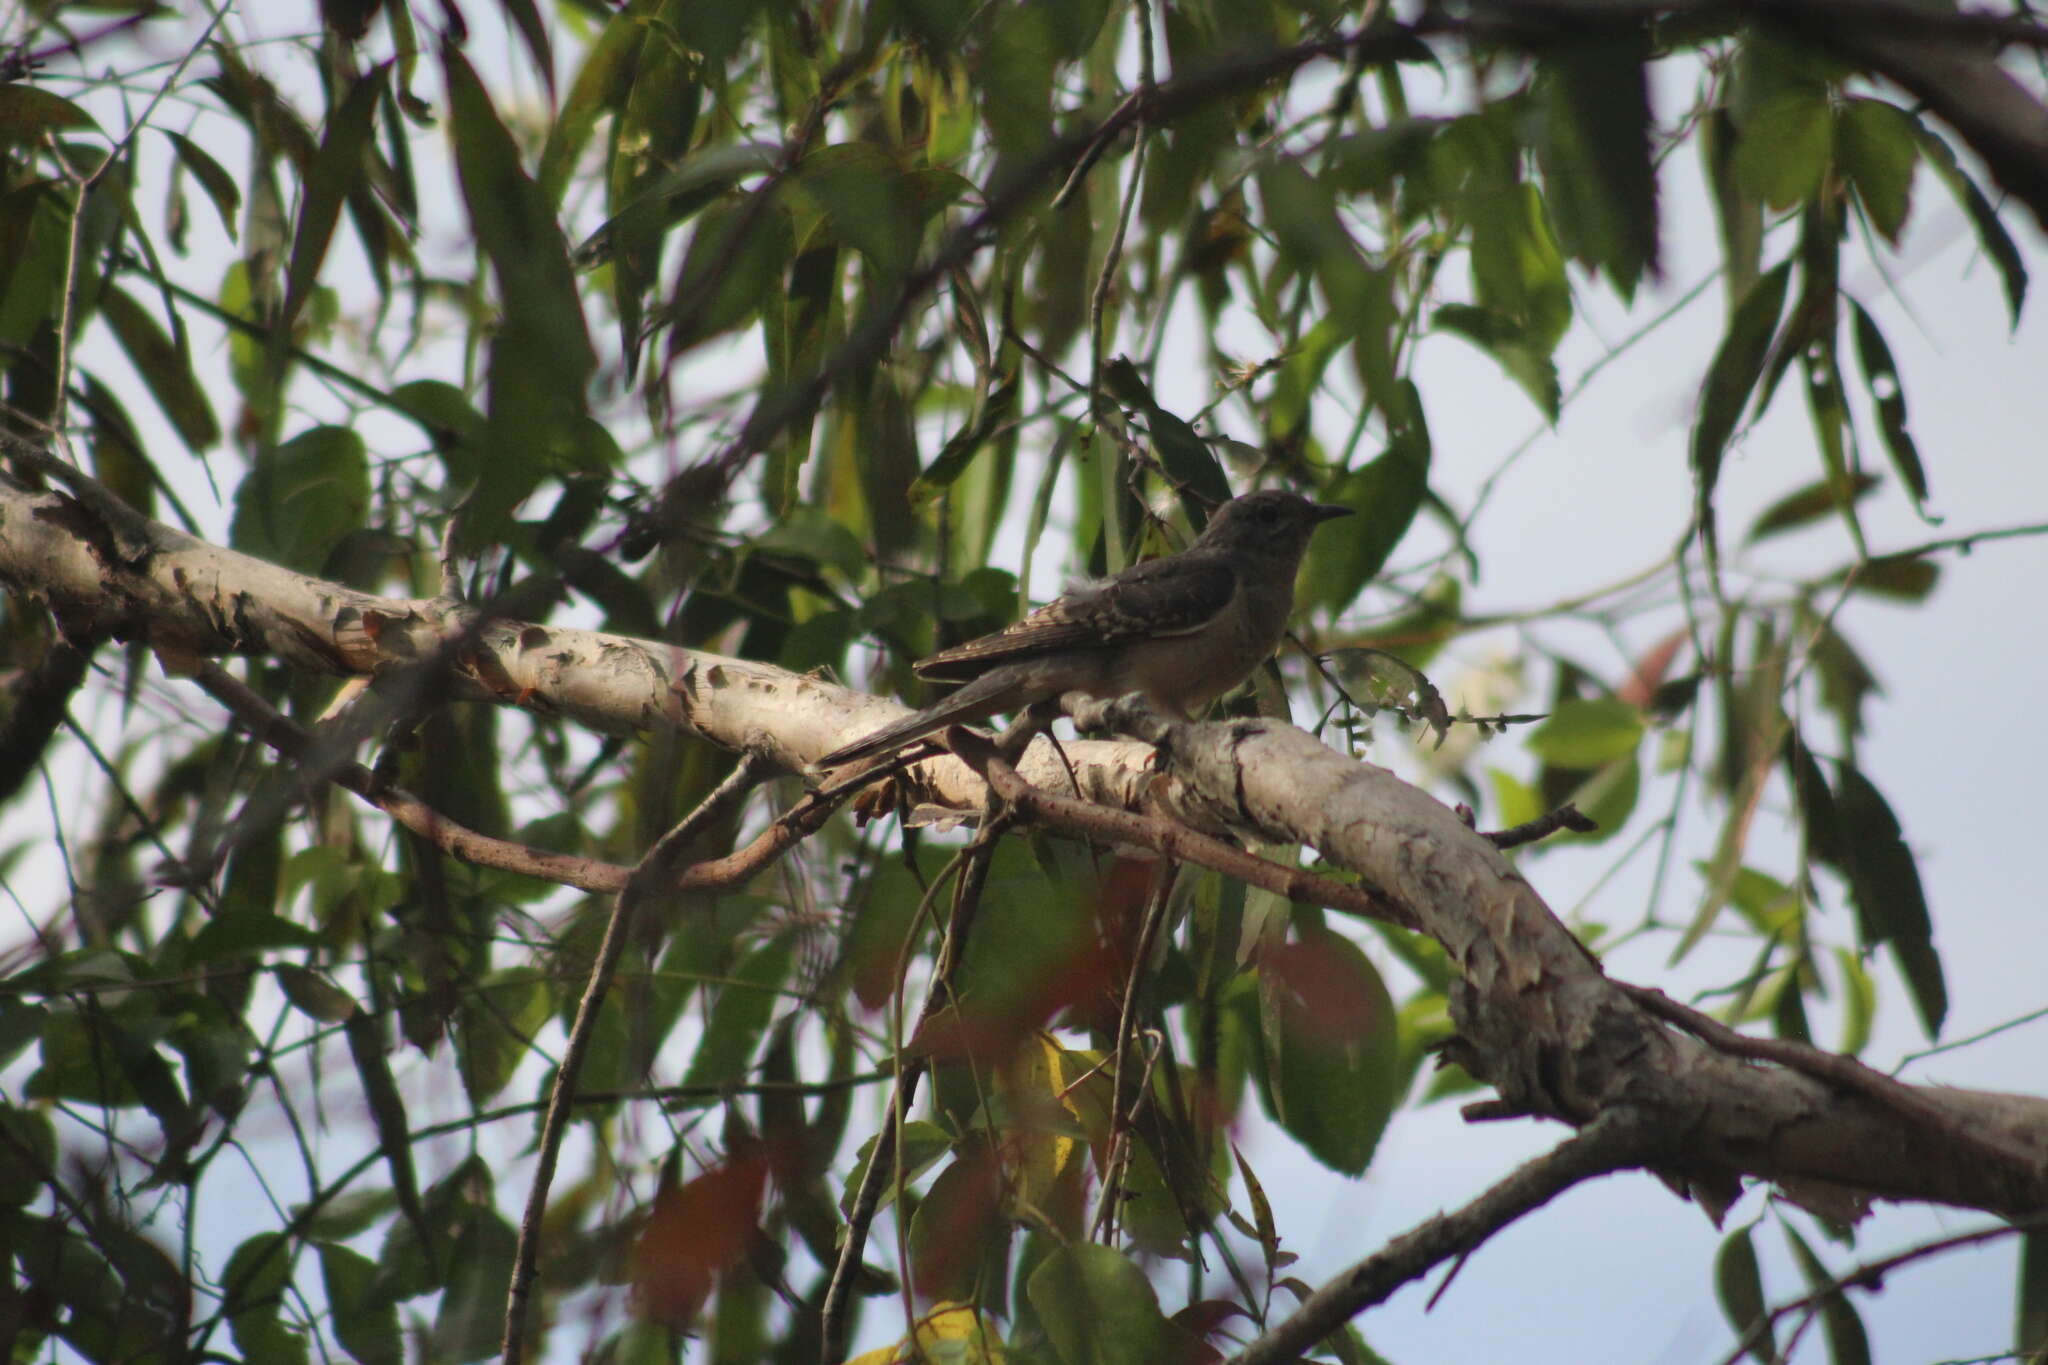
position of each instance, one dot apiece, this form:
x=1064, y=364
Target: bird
x=1182, y=630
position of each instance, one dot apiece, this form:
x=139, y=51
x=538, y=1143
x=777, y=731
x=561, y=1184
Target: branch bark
x=1537, y=1018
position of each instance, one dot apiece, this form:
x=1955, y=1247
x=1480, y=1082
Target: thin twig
x=1126, y=1024
x=1871, y=1275
x=1171, y=838
x=1617, y=1140
x=651, y=877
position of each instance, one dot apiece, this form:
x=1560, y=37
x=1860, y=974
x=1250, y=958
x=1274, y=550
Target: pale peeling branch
x=1536, y=1016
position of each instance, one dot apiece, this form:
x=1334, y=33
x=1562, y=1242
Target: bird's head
x=1270, y=521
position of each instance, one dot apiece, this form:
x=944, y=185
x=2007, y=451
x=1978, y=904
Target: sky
x=1620, y=1269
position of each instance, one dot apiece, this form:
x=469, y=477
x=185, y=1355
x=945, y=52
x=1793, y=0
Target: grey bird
x=1182, y=630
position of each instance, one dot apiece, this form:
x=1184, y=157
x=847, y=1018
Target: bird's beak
x=1326, y=511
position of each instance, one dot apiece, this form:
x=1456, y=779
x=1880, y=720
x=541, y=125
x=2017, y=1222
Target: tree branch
x=651, y=877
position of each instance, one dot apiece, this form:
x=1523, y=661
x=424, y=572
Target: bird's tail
x=985, y=696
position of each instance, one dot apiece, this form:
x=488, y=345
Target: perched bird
x=1182, y=630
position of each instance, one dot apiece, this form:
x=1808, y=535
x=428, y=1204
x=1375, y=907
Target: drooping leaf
x=1594, y=148
x=165, y=366
x=1992, y=237
x=365, y=1323
x=337, y=170
x=1386, y=495
x=1337, y=1076
x=1848, y=1343
x=1588, y=733
x=1804, y=506
x=1877, y=145
x=1099, y=1309
x=1784, y=148
x=1888, y=397
x=302, y=498
x=1731, y=378
x=1739, y=1285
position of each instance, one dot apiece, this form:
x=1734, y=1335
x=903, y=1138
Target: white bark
x=1538, y=1018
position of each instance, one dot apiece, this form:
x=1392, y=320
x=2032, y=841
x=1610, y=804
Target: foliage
x=776, y=329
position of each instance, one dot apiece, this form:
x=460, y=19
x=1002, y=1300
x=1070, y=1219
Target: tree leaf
x=165, y=366
x=1848, y=1344
x=1738, y=363
x=302, y=498
x=1593, y=144
x=337, y=170
x=29, y=112
x=1386, y=494
x=1784, y=148
x=1804, y=506
x=1588, y=733
x=1338, y=1071
x=745, y=1003
x=1099, y=1309
x=1992, y=237
x=365, y=1323
x=1888, y=397
x=1878, y=147
x=1739, y=1285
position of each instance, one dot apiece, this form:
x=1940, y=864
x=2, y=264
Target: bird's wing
x=1169, y=596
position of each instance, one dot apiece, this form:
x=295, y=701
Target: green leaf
x=1588, y=733
x=494, y=1028
x=1338, y=1074
x=1738, y=215
x=599, y=88
x=1920, y=965
x=1738, y=363
x=745, y=1004
x=1848, y=1344
x=336, y=172
x=1804, y=506
x=1992, y=237
x=651, y=133
x=922, y=1145
x=214, y=178
x=1884, y=879
x=1739, y=1285
x=540, y=357
x=1859, y=1002
x=739, y=251
x=1784, y=148
x=365, y=1323
x=29, y=112
x=2030, y=1331
x=963, y=445
x=1908, y=578
x=302, y=498
x=1518, y=272
x=1530, y=367
x=256, y=1277
x=1385, y=494
x=471, y=1318
x=165, y=366
x=1888, y=397
x=1593, y=144
x=1099, y=1309
x=1189, y=459
x=246, y=934
x=1878, y=147
x=22, y=1176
